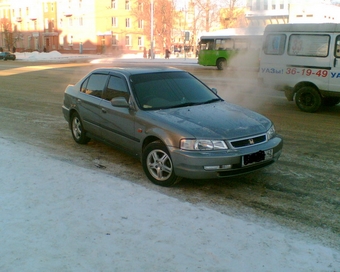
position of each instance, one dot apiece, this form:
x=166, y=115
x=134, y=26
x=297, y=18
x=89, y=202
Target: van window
x=308, y=45
x=337, y=47
x=275, y=44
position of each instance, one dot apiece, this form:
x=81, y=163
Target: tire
x=220, y=64
x=330, y=101
x=78, y=133
x=158, y=166
x=308, y=99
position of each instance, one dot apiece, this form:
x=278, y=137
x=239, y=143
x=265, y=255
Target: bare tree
x=5, y=26
x=232, y=16
x=164, y=16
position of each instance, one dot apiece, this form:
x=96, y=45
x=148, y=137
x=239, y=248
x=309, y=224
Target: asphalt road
x=301, y=191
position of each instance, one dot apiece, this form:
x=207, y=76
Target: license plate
x=257, y=157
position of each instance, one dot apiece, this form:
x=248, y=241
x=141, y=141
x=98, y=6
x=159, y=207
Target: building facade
x=74, y=26
x=264, y=12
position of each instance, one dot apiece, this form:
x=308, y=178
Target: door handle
x=103, y=110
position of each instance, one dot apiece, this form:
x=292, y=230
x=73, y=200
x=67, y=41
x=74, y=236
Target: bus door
x=334, y=76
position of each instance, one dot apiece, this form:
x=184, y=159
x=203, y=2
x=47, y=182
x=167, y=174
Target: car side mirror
x=119, y=102
x=214, y=90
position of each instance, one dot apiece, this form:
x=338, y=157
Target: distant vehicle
x=303, y=60
x=7, y=56
x=217, y=48
x=171, y=121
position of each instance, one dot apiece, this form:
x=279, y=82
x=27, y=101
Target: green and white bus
x=219, y=47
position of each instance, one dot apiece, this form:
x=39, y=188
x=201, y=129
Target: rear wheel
x=220, y=64
x=308, y=99
x=158, y=166
x=78, y=132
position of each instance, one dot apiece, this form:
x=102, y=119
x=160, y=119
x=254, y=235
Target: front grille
x=248, y=141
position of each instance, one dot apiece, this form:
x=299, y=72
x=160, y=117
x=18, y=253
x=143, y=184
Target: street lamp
x=151, y=23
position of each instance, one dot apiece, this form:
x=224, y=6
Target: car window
x=94, y=85
x=164, y=90
x=116, y=87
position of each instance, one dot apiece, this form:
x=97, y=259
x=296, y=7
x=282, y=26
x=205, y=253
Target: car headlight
x=271, y=132
x=193, y=144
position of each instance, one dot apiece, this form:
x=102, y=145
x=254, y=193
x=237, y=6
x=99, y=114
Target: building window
x=81, y=21
x=114, y=21
x=127, y=40
x=46, y=23
x=274, y=6
x=52, y=7
x=114, y=40
x=113, y=4
x=70, y=21
x=127, y=22
x=140, y=6
x=140, y=23
x=127, y=4
x=140, y=41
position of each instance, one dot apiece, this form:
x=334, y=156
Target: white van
x=304, y=61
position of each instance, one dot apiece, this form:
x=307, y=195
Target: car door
x=88, y=102
x=334, y=76
x=118, y=122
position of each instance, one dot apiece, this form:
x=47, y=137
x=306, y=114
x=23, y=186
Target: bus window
x=224, y=44
x=241, y=44
x=207, y=44
x=308, y=45
x=274, y=44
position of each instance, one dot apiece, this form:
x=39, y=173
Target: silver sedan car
x=176, y=125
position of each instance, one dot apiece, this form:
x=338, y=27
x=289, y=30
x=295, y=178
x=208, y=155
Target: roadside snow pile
x=34, y=56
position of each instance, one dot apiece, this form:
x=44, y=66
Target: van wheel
x=308, y=99
x=330, y=101
x=220, y=64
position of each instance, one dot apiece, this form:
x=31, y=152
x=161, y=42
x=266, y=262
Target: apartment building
x=74, y=26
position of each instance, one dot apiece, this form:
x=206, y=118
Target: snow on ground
x=56, y=216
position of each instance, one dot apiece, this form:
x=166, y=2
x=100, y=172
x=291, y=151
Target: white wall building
x=263, y=12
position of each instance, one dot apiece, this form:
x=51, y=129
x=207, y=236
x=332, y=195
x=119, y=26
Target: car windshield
x=169, y=90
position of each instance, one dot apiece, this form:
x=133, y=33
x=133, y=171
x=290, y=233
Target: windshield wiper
x=211, y=101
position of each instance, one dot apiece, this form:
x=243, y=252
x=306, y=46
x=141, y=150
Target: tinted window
x=308, y=45
x=116, y=88
x=94, y=85
x=169, y=89
x=274, y=44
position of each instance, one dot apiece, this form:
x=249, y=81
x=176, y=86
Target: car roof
x=127, y=71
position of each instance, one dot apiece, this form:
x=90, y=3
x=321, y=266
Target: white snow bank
x=56, y=216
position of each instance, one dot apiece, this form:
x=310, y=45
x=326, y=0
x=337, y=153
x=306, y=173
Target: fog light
x=217, y=167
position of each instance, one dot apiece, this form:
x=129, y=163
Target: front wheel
x=158, y=166
x=308, y=99
x=78, y=132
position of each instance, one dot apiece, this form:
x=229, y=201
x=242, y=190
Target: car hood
x=216, y=120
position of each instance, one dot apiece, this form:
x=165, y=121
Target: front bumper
x=193, y=164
